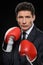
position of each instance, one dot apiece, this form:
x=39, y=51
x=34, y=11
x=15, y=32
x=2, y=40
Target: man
x=25, y=16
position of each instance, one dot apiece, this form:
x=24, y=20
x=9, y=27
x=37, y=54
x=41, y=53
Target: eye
x=27, y=16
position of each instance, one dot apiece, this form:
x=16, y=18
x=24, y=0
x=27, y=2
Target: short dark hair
x=25, y=6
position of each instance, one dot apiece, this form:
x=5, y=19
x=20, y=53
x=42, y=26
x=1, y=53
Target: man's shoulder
x=39, y=34
x=38, y=31
x=38, y=37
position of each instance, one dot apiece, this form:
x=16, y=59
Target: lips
x=24, y=25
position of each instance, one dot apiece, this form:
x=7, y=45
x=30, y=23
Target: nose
x=24, y=20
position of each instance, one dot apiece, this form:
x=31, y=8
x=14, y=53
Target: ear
x=34, y=17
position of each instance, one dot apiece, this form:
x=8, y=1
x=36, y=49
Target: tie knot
x=24, y=33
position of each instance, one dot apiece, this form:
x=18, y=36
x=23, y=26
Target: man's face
x=25, y=19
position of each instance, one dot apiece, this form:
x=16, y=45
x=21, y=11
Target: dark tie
x=24, y=34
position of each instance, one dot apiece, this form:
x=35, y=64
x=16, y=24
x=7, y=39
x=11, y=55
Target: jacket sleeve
x=39, y=45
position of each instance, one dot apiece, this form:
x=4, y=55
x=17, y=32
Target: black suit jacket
x=36, y=36
x=13, y=58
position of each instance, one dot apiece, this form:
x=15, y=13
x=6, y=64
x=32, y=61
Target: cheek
x=30, y=21
x=19, y=23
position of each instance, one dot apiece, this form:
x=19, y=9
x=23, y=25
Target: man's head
x=25, y=15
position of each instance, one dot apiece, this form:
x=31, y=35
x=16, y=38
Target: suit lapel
x=32, y=35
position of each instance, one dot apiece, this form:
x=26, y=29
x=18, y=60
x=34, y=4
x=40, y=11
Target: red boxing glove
x=28, y=49
x=13, y=32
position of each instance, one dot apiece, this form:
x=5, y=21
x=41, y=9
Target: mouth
x=24, y=25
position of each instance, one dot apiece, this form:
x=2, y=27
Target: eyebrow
x=20, y=16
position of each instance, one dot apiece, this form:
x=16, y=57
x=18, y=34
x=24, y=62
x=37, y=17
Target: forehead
x=24, y=13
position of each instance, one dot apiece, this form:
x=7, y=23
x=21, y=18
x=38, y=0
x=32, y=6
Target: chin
x=25, y=28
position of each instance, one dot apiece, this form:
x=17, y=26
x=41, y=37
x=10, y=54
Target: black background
x=7, y=16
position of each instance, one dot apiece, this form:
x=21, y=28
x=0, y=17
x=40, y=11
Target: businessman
x=25, y=16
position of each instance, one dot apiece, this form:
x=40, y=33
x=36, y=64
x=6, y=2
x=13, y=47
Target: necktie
x=24, y=34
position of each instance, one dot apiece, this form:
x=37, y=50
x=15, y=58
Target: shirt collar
x=29, y=30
